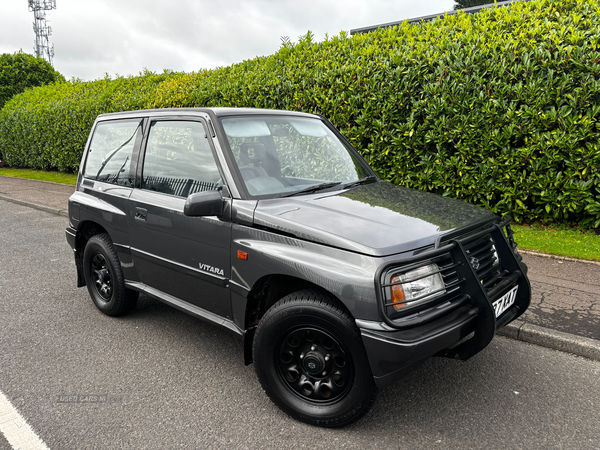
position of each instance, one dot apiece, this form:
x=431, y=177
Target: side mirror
x=201, y=204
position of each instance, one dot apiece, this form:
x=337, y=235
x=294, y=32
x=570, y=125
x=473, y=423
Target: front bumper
x=465, y=313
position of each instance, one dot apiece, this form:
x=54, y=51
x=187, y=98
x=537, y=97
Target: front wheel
x=311, y=361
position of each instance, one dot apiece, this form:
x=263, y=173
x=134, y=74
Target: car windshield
x=282, y=155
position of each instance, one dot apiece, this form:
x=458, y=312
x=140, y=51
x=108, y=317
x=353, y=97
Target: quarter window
x=109, y=155
x=179, y=160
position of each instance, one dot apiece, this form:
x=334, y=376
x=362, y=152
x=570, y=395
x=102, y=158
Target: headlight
x=416, y=287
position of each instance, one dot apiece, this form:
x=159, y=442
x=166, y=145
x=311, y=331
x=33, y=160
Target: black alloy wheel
x=104, y=277
x=310, y=360
x=314, y=364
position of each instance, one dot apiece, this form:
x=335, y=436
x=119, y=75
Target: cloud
x=95, y=37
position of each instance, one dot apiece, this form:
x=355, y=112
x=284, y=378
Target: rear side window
x=179, y=160
x=109, y=155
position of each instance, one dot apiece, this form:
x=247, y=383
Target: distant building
x=472, y=10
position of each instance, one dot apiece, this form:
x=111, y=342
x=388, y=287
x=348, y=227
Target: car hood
x=377, y=219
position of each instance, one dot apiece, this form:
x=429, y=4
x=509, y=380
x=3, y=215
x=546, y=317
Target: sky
x=123, y=37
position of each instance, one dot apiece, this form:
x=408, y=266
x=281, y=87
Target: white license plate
x=505, y=302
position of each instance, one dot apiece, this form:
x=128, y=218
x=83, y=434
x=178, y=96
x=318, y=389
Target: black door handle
x=141, y=213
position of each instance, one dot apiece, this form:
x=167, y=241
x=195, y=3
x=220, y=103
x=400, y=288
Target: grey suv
x=271, y=225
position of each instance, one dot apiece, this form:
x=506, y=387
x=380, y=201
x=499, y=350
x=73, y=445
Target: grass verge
x=31, y=174
x=558, y=240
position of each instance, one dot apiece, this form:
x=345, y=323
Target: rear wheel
x=104, y=277
x=311, y=362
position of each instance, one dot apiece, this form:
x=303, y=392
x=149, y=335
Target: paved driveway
x=565, y=296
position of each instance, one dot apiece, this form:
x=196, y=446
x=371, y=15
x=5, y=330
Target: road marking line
x=16, y=430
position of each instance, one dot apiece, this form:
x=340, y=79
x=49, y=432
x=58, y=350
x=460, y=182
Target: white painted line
x=14, y=428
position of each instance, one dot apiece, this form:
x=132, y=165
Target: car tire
x=310, y=360
x=104, y=277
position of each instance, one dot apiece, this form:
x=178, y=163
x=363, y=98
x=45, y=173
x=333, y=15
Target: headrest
x=252, y=152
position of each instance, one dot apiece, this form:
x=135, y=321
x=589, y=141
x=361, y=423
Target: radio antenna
x=42, y=30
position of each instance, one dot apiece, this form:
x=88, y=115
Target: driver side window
x=179, y=160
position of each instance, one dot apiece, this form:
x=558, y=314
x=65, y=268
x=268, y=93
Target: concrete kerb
x=519, y=330
x=48, y=209
x=556, y=340
x=558, y=258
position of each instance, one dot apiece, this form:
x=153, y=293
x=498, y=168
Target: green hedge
x=19, y=71
x=499, y=108
x=47, y=127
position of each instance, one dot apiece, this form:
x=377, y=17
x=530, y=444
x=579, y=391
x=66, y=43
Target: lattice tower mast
x=42, y=30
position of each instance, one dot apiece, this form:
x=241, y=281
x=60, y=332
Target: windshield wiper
x=313, y=188
x=368, y=179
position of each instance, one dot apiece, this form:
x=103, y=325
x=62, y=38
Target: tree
x=462, y=4
x=20, y=71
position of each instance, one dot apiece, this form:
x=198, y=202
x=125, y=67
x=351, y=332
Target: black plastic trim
x=186, y=307
x=431, y=314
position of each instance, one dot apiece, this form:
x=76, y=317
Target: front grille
x=449, y=273
x=483, y=258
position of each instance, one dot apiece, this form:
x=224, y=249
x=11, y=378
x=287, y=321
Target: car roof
x=214, y=112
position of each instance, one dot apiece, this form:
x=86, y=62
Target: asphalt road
x=176, y=382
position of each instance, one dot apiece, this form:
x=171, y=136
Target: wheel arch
x=267, y=291
x=85, y=231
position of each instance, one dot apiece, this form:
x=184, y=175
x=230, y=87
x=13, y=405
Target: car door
x=187, y=258
x=108, y=177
